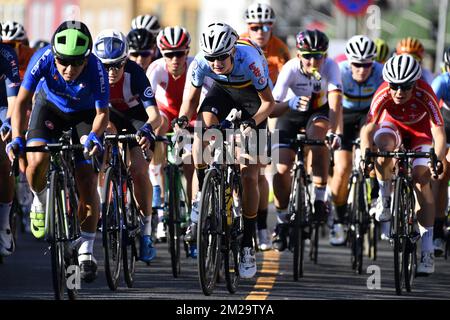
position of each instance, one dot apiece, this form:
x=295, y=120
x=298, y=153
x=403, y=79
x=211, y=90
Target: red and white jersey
x=422, y=106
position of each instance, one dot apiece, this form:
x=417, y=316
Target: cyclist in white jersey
x=316, y=84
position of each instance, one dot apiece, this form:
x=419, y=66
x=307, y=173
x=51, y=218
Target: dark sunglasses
x=144, y=54
x=403, y=86
x=317, y=56
x=114, y=66
x=362, y=65
x=264, y=28
x=222, y=57
x=68, y=62
x=177, y=54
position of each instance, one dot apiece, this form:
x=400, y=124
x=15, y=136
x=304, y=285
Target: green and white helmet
x=72, y=40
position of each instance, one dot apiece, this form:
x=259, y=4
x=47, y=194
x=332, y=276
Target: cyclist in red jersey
x=405, y=107
x=167, y=76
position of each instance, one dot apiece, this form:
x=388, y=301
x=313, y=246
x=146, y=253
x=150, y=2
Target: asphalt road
x=27, y=275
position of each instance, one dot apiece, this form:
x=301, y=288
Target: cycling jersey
x=423, y=104
x=9, y=74
x=132, y=90
x=89, y=90
x=292, y=77
x=249, y=68
x=413, y=119
x=169, y=92
x=358, y=96
x=276, y=53
x=441, y=86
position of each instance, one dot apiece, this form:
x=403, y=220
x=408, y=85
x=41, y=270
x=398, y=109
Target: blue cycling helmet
x=111, y=46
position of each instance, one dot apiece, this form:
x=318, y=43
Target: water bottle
x=229, y=204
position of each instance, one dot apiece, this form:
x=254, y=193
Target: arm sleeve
x=37, y=68
x=438, y=86
x=334, y=77
x=12, y=81
x=197, y=74
x=101, y=95
x=144, y=88
x=152, y=75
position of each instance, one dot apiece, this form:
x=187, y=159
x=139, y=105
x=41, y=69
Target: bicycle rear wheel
x=131, y=236
x=297, y=210
x=111, y=229
x=209, y=232
x=398, y=233
x=233, y=235
x=174, y=221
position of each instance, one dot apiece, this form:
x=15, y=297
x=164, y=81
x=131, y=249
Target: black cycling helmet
x=140, y=40
x=312, y=40
x=72, y=40
x=447, y=56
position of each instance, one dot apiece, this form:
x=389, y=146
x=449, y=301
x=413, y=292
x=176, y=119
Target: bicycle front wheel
x=298, y=210
x=174, y=221
x=398, y=233
x=111, y=229
x=209, y=233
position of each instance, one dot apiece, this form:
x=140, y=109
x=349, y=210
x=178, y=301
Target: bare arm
x=440, y=141
x=366, y=135
x=267, y=105
x=189, y=105
x=154, y=118
x=19, y=111
x=100, y=121
x=335, y=113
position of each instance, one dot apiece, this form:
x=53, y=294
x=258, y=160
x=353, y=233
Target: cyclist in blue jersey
x=73, y=94
x=361, y=77
x=441, y=87
x=241, y=80
x=9, y=87
x=133, y=107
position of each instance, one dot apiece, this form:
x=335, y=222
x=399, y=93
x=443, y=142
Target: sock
x=155, y=174
x=439, y=228
x=5, y=209
x=201, y=176
x=427, y=240
x=147, y=228
x=87, y=242
x=195, y=206
x=320, y=193
x=385, y=188
x=375, y=188
x=341, y=213
x=282, y=216
x=40, y=198
x=262, y=219
x=249, y=231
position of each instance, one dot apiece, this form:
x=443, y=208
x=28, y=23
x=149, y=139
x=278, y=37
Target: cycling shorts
x=220, y=100
x=353, y=121
x=47, y=122
x=131, y=120
x=291, y=122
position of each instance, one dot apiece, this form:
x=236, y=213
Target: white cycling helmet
x=13, y=31
x=360, y=49
x=111, y=46
x=217, y=39
x=146, y=21
x=402, y=69
x=259, y=13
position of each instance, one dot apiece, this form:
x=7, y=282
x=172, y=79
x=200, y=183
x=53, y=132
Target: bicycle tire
x=55, y=233
x=209, y=233
x=111, y=230
x=410, y=257
x=233, y=236
x=174, y=218
x=74, y=229
x=398, y=234
x=132, y=236
x=297, y=206
x=314, y=246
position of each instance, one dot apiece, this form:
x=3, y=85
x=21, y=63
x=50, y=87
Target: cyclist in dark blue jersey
x=133, y=107
x=73, y=94
x=241, y=81
x=9, y=87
